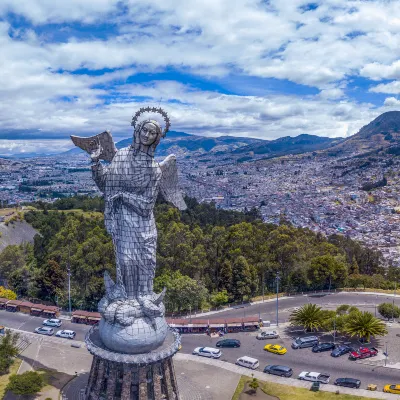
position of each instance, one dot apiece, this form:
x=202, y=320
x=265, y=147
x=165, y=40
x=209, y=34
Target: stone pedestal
x=118, y=376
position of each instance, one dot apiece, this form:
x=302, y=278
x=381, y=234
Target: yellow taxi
x=392, y=389
x=275, y=348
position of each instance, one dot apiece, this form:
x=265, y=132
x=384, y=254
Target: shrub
x=342, y=309
x=30, y=382
x=388, y=311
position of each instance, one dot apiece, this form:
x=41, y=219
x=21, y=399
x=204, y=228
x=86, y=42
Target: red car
x=363, y=352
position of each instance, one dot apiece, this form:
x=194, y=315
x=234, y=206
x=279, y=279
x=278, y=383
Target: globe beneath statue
x=142, y=336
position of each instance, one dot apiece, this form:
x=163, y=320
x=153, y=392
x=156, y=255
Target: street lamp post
x=277, y=297
x=334, y=330
x=69, y=282
x=394, y=295
x=386, y=354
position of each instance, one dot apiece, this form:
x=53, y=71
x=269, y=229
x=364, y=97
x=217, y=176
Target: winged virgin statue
x=130, y=183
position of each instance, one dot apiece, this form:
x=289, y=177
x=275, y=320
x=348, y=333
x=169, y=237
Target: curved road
x=299, y=360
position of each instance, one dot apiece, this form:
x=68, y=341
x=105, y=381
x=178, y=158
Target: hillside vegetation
x=205, y=255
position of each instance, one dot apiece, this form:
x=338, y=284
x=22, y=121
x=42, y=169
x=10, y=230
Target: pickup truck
x=363, y=352
x=314, y=377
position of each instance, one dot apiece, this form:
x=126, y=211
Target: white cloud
x=392, y=87
x=47, y=11
x=392, y=102
x=377, y=71
x=12, y=147
x=321, y=48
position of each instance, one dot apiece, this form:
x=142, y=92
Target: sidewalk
x=283, y=381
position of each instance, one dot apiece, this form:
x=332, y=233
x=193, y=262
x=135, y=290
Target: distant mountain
x=382, y=132
x=181, y=143
x=289, y=145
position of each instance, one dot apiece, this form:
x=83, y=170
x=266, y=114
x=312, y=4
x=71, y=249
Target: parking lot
x=29, y=323
x=368, y=370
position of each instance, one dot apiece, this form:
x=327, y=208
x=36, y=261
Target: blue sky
x=261, y=68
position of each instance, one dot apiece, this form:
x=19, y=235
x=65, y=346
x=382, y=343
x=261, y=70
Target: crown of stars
x=157, y=110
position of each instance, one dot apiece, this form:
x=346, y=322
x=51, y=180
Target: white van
x=248, y=362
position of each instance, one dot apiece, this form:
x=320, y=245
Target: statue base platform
x=120, y=376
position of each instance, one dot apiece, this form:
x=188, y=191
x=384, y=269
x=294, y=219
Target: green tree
x=183, y=292
x=241, y=279
x=309, y=316
x=28, y=383
x=354, y=269
x=254, y=384
x=364, y=325
x=8, y=350
x=298, y=280
x=219, y=298
x=388, y=310
x=327, y=271
x=12, y=258
x=225, y=276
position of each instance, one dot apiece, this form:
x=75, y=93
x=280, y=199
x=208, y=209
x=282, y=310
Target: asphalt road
x=29, y=323
x=299, y=360
x=267, y=310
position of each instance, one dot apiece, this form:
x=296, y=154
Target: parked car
x=66, y=334
x=307, y=341
x=323, y=347
x=45, y=331
x=267, y=335
x=348, y=382
x=248, y=362
x=280, y=370
x=52, y=322
x=363, y=352
x=228, y=343
x=340, y=350
x=395, y=389
x=275, y=348
x=314, y=377
x=209, y=352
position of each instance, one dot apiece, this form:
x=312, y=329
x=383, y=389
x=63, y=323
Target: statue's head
x=148, y=133
x=147, y=136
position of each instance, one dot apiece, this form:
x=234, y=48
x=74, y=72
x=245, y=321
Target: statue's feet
x=150, y=307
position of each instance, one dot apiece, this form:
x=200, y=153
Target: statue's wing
x=89, y=144
x=169, y=183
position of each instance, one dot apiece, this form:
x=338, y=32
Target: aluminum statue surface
x=133, y=315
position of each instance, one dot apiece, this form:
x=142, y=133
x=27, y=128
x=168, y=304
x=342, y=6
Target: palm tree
x=309, y=316
x=364, y=325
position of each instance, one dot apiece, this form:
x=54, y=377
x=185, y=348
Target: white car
x=209, y=352
x=263, y=335
x=66, y=334
x=314, y=377
x=52, y=322
x=45, y=331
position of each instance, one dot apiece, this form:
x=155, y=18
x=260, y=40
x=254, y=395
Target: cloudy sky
x=266, y=68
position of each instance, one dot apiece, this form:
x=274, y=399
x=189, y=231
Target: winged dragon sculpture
x=133, y=315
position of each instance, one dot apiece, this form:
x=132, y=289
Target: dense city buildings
x=319, y=191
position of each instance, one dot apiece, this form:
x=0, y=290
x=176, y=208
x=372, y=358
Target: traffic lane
x=29, y=323
x=268, y=309
x=299, y=360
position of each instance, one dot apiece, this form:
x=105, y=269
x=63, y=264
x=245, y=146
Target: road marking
x=37, y=354
x=19, y=327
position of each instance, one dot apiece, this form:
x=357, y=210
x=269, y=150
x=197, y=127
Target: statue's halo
x=157, y=110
